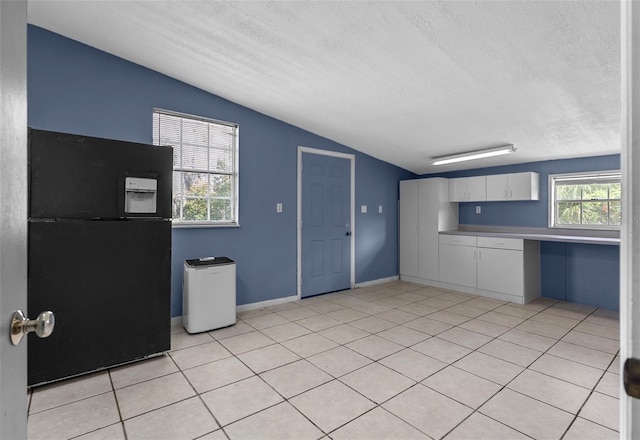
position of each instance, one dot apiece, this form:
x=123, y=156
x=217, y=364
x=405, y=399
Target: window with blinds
x=586, y=200
x=205, y=167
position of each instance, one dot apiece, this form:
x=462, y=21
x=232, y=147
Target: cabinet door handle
x=479, y=255
x=506, y=196
x=510, y=193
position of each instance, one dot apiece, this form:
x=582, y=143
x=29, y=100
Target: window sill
x=190, y=225
x=589, y=230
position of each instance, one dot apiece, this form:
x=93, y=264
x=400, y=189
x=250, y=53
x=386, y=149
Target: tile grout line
x=591, y=390
x=115, y=397
x=435, y=372
x=373, y=361
x=493, y=338
x=199, y=398
x=594, y=387
x=344, y=304
x=505, y=386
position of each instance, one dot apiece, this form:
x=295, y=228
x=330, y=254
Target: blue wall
x=588, y=274
x=77, y=89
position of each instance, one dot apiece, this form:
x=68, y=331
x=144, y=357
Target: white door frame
x=630, y=238
x=13, y=215
x=352, y=159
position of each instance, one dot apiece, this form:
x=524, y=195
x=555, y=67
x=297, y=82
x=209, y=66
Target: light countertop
x=540, y=234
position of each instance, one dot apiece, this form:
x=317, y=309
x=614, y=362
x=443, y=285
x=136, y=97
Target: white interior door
x=346, y=229
x=13, y=214
x=630, y=242
x=326, y=224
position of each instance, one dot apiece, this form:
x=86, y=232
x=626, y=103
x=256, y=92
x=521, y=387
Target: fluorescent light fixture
x=472, y=155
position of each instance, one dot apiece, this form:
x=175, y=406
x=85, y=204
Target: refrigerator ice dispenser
x=140, y=195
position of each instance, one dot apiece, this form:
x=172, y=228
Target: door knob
x=631, y=378
x=20, y=325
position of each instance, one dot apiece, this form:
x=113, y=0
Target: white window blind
x=205, y=169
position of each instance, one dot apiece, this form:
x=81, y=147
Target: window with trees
x=586, y=200
x=205, y=167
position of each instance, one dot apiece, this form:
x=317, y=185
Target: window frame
x=586, y=177
x=234, y=173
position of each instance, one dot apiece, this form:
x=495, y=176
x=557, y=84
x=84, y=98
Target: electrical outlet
x=380, y=209
x=363, y=209
x=279, y=207
x=478, y=209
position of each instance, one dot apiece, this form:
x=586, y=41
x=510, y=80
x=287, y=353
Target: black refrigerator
x=99, y=252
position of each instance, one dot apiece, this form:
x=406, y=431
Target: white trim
x=629, y=244
x=186, y=225
x=267, y=303
x=464, y=289
x=420, y=281
x=551, y=201
x=177, y=320
x=235, y=160
x=195, y=117
x=378, y=281
x=352, y=158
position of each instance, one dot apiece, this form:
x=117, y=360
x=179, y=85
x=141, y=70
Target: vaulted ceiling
x=401, y=81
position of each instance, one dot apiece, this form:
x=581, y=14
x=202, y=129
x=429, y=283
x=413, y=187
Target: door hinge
x=632, y=377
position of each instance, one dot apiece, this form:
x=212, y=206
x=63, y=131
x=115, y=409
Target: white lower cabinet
x=457, y=260
x=501, y=271
x=501, y=268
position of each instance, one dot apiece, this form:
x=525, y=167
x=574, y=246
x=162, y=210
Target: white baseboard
x=270, y=302
x=421, y=281
x=176, y=321
x=378, y=281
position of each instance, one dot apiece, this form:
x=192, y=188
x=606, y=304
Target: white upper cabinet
x=477, y=188
x=468, y=189
x=458, y=189
x=497, y=187
x=515, y=186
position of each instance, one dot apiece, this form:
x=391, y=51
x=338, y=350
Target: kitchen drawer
x=458, y=240
x=516, y=244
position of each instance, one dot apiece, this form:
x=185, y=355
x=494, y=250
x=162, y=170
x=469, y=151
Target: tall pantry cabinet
x=425, y=210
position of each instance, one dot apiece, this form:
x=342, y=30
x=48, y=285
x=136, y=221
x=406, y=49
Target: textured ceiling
x=401, y=81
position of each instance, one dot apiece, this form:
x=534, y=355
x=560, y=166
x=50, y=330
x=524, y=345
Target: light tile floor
x=390, y=361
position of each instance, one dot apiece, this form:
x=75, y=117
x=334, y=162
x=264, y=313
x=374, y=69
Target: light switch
x=363, y=209
x=380, y=209
x=478, y=209
x=279, y=207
